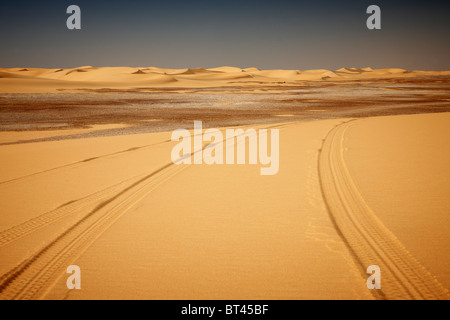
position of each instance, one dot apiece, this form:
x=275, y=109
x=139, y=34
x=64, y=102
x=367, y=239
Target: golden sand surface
x=407, y=185
x=349, y=193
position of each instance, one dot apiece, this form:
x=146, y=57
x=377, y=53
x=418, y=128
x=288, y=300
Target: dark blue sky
x=269, y=34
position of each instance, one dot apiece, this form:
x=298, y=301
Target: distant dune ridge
x=22, y=80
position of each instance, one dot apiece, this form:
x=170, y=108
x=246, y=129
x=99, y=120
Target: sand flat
x=141, y=227
x=225, y=232
x=400, y=166
x=174, y=232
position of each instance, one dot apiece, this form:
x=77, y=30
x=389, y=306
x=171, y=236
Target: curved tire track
x=35, y=275
x=21, y=230
x=78, y=163
x=402, y=276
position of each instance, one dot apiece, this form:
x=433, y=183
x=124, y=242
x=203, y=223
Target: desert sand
x=140, y=227
x=355, y=187
x=22, y=80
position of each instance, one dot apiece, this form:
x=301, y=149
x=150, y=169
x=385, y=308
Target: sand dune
x=251, y=69
x=9, y=75
x=127, y=77
x=197, y=71
x=353, y=70
x=215, y=77
x=278, y=74
x=226, y=69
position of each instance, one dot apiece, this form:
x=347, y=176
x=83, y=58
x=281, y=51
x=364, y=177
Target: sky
x=267, y=34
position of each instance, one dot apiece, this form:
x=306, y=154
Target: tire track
x=372, y=243
x=21, y=230
x=36, y=274
x=78, y=163
x=34, y=224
